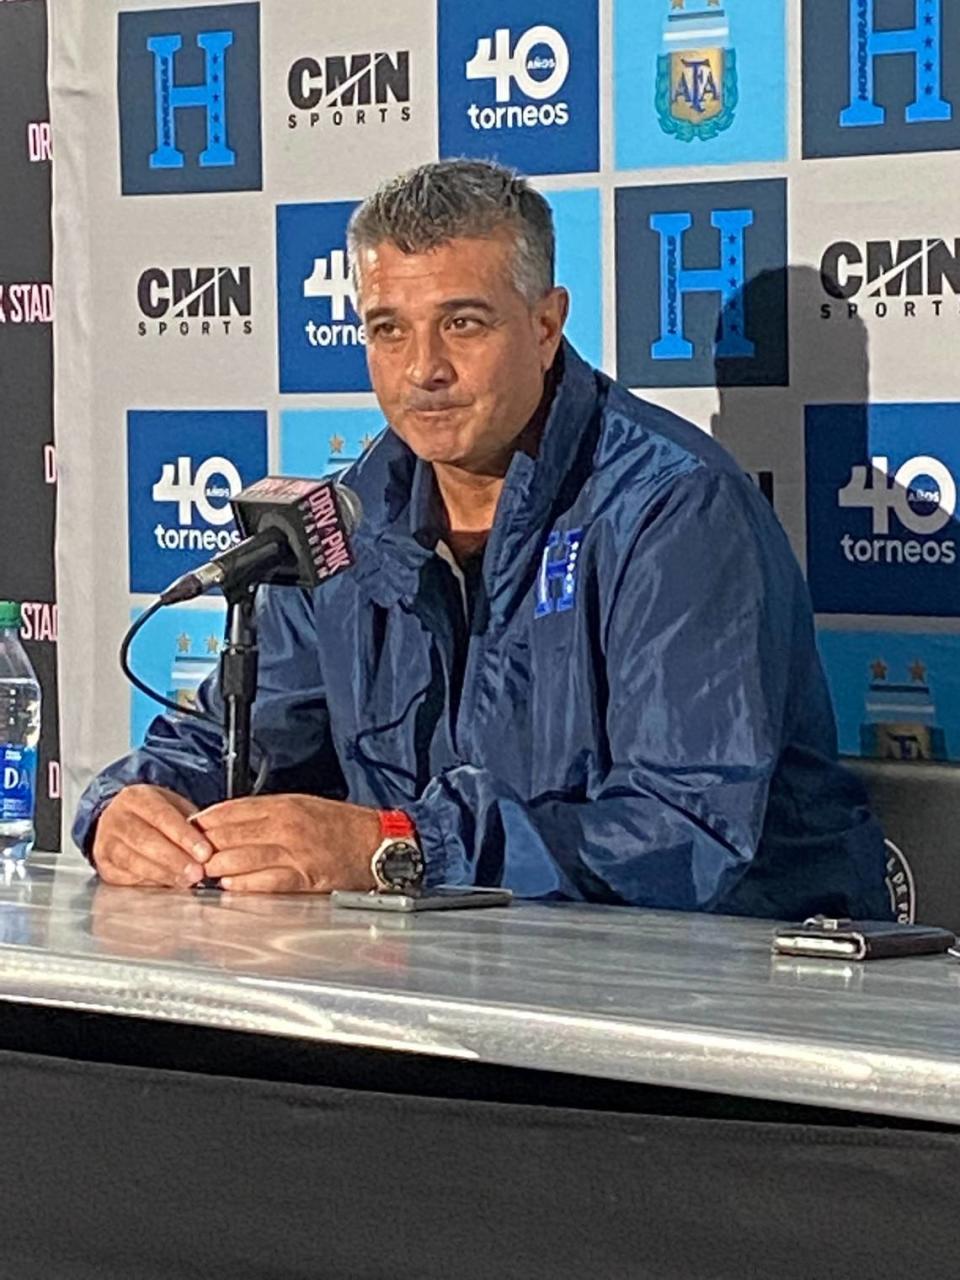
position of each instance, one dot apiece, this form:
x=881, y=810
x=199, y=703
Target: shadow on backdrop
x=764, y=427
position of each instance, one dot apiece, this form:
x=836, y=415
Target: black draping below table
x=120, y=1172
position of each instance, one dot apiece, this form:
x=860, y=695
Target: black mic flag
x=296, y=532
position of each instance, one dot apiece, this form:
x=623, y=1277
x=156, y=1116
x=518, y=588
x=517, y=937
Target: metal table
x=689, y=1001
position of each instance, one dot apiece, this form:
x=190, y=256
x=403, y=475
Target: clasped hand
x=259, y=844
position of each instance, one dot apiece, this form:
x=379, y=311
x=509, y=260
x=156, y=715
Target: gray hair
x=451, y=199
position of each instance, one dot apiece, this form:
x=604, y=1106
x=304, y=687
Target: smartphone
x=860, y=939
x=445, y=897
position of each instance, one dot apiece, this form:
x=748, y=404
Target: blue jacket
x=639, y=715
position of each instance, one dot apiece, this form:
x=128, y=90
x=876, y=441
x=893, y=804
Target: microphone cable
x=135, y=680
x=132, y=631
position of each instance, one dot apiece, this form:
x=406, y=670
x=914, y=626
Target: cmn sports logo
x=359, y=89
x=189, y=96
x=891, y=277
x=194, y=300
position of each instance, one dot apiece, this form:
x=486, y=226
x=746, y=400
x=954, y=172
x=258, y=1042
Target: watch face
x=401, y=864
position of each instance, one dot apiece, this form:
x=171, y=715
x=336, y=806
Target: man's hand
x=143, y=837
x=290, y=844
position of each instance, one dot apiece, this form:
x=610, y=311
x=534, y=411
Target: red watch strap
x=395, y=825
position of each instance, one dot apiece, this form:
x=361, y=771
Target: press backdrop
x=756, y=211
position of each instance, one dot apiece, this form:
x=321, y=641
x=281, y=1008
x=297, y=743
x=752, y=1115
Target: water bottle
x=19, y=735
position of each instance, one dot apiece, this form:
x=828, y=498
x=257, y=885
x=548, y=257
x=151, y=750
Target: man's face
x=456, y=354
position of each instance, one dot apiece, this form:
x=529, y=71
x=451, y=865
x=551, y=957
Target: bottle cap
x=9, y=613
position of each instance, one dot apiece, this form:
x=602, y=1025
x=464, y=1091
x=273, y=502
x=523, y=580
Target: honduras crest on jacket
x=696, y=93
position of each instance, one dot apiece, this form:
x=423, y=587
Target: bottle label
x=18, y=782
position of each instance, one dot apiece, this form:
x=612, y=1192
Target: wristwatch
x=397, y=862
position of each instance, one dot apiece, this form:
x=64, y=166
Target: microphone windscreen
x=316, y=517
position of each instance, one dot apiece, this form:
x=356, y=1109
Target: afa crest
x=696, y=86
x=900, y=721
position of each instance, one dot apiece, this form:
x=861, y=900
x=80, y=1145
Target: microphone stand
x=238, y=687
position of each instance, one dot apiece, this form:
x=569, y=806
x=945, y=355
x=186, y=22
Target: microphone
x=295, y=533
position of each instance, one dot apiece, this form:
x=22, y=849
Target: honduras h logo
x=880, y=77
x=696, y=86
x=701, y=284
x=921, y=42
x=189, y=99
x=557, y=579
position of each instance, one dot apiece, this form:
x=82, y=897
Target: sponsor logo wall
x=755, y=217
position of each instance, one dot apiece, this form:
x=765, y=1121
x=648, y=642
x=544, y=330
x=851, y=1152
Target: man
x=575, y=656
